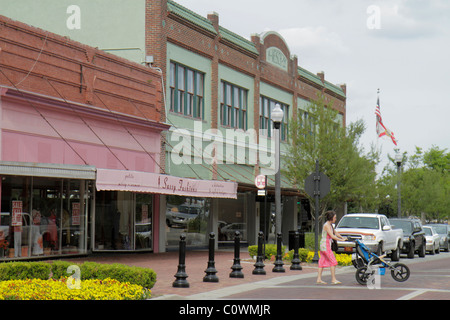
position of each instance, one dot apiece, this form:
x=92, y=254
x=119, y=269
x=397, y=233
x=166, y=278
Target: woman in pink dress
x=327, y=258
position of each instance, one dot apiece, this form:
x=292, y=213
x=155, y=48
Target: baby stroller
x=368, y=263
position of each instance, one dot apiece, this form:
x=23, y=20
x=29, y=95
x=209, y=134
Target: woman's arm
x=335, y=236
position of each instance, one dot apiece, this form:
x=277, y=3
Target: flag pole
x=378, y=138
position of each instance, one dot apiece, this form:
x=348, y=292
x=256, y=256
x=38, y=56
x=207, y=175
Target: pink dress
x=327, y=258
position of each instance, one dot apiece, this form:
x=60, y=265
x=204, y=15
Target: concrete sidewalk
x=166, y=266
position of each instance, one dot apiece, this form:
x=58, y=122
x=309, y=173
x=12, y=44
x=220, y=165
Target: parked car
x=374, y=230
x=413, y=236
x=432, y=239
x=443, y=230
x=178, y=217
x=229, y=230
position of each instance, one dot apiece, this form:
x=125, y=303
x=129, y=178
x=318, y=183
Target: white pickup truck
x=374, y=230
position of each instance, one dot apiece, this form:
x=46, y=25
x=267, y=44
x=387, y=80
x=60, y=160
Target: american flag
x=382, y=130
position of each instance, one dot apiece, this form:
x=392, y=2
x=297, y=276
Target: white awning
x=49, y=170
x=146, y=182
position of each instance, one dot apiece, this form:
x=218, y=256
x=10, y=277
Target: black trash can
x=301, y=239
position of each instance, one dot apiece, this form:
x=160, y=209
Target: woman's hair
x=330, y=215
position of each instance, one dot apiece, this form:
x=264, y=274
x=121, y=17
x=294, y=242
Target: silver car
x=443, y=230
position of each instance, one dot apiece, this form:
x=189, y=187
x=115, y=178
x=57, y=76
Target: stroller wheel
x=362, y=276
x=400, y=272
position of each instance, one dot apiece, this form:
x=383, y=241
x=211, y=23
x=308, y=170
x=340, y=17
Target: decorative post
x=181, y=274
x=211, y=270
x=259, y=265
x=279, y=261
x=236, y=267
x=295, y=265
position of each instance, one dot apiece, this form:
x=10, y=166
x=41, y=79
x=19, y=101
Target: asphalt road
x=429, y=280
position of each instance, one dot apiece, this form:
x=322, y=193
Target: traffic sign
x=260, y=181
x=324, y=185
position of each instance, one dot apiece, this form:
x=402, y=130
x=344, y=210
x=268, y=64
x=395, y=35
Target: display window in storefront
x=232, y=217
x=42, y=216
x=189, y=216
x=123, y=221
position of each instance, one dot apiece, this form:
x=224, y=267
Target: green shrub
x=24, y=270
x=59, y=269
x=271, y=250
x=92, y=270
x=88, y=270
x=302, y=254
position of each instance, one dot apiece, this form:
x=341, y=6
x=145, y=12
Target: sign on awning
x=147, y=182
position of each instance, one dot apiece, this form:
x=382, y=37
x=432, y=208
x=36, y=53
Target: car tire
x=380, y=249
x=395, y=255
x=412, y=245
x=422, y=251
x=447, y=249
x=438, y=250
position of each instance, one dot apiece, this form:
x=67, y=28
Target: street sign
x=260, y=181
x=324, y=185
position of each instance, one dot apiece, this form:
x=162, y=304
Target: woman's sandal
x=321, y=282
x=336, y=282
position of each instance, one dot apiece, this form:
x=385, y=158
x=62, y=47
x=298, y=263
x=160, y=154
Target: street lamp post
x=398, y=161
x=277, y=117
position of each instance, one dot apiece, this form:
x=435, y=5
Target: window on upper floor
x=186, y=91
x=266, y=105
x=233, y=106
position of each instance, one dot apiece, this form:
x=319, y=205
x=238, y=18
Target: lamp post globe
x=277, y=116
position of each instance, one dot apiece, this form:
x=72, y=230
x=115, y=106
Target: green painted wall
x=106, y=24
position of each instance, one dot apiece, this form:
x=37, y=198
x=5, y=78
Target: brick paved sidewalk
x=166, y=265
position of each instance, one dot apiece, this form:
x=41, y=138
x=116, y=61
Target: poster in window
x=144, y=213
x=16, y=213
x=75, y=213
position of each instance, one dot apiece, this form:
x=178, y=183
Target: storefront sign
x=16, y=214
x=136, y=181
x=276, y=57
x=75, y=213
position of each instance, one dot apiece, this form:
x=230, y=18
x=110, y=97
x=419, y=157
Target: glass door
x=144, y=222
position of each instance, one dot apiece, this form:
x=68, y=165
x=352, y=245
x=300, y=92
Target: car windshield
x=440, y=229
x=427, y=231
x=404, y=225
x=188, y=209
x=358, y=222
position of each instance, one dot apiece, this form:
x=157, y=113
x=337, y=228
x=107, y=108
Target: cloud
x=408, y=19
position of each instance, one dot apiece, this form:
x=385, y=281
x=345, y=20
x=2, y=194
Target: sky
x=401, y=47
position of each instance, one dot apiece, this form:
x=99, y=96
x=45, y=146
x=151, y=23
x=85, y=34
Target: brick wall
x=35, y=60
x=188, y=35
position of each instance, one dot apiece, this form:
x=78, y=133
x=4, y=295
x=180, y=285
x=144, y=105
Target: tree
x=425, y=185
x=317, y=133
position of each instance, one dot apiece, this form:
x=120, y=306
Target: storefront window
x=144, y=221
x=232, y=217
x=123, y=221
x=42, y=216
x=189, y=216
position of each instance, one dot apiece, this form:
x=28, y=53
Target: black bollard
x=236, y=267
x=279, y=259
x=295, y=264
x=211, y=270
x=181, y=274
x=259, y=265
